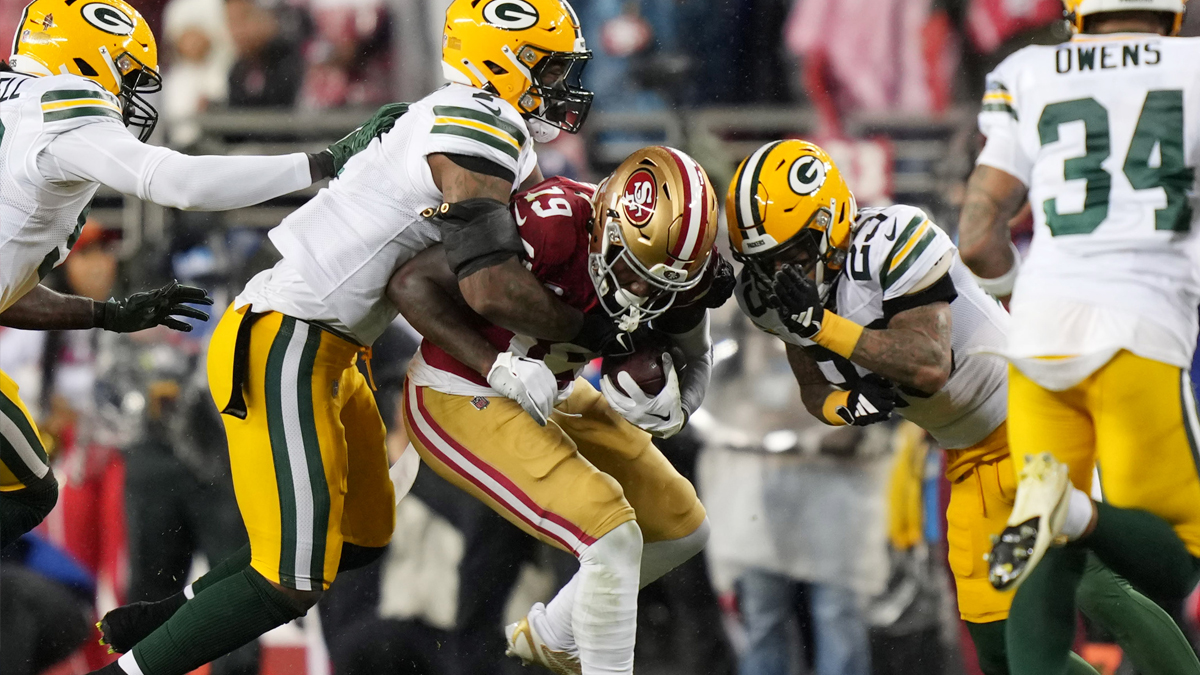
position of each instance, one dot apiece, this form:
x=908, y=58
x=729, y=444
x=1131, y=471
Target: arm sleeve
x=696, y=346
x=998, y=122
x=108, y=154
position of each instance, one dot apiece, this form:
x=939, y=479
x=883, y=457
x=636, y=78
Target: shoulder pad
x=473, y=122
x=895, y=247
x=73, y=100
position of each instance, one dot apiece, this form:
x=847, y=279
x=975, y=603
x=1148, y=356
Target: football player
x=1101, y=135
x=878, y=314
x=73, y=90
x=306, y=441
x=579, y=472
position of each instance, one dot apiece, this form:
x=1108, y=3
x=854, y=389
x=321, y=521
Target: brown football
x=644, y=365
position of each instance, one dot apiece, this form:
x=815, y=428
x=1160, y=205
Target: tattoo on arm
x=914, y=350
x=814, y=388
x=457, y=183
x=993, y=197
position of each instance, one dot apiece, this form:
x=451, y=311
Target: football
x=644, y=365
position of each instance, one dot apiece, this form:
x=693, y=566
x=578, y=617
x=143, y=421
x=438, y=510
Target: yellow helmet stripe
x=747, y=189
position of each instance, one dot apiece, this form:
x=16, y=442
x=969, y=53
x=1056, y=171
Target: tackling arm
x=985, y=244
x=45, y=309
x=814, y=388
x=914, y=350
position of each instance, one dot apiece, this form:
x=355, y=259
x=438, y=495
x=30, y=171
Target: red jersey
x=553, y=219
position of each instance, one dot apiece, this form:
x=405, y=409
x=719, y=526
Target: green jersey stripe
x=902, y=240
x=1000, y=107
x=279, y=453
x=73, y=94
x=893, y=276
x=478, y=136
x=490, y=120
x=85, y=111
x=312, y=455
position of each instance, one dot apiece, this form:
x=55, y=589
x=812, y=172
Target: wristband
x=99, y=309
x=1000, y=286
x=838, y=335
x=838, y=399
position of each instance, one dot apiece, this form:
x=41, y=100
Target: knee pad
x=355, y=556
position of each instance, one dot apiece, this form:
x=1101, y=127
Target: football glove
x=798, y=301
x=529, y=382
x=334, y=158
x=661, y=415
x=869, y=401
x=601, y=335
x=153, y=308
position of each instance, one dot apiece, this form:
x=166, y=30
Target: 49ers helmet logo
x=639, y=198
x=806, y=175
x=108, y=18
x=510, y=14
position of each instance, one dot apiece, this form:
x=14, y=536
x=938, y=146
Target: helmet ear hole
x=85, y=68
x=495, y=68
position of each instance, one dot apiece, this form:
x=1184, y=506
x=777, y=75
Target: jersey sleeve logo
x=490, y=130
x=66, y=104
x=918, y=234
x=107, y=18
x=997, y=99
x=639, y=198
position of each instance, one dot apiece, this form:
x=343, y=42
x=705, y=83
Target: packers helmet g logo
x=511, y=14
x=108, y=18
x=639, y=198
x=806, y=175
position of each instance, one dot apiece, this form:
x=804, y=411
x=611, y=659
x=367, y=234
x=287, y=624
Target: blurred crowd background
x=828, y=552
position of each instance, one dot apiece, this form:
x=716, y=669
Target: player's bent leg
x=369, y=513
x=1041, y=624
x=1146, y=633
x=28, y=489
x=22, y=510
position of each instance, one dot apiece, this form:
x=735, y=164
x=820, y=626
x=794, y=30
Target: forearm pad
x=838, y=335
x=477, y=233
x=696, y=346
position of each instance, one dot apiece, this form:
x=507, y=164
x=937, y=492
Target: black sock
x=1144, y=549
x=989, y=646
x=1041, y=625
x=227, y=615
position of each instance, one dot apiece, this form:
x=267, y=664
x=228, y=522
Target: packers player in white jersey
x=307, y=444
x=879, y=314
x=69, y=97
x=1101, y=135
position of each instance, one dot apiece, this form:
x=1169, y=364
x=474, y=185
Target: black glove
x=331, y=160
x=871, y=400
x=715, y=287
x=798, y=301
x=600, y=335
x=153, y=308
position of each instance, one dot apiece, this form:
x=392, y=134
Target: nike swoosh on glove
x=871, y=400
x=529, y=382
x=661, y=415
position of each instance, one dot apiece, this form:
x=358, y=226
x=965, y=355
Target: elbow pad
x=476, y=233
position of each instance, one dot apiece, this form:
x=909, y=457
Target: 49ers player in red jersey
x=505, y=418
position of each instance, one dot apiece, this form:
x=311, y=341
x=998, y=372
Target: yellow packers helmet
x=1078, y=9
x=789, y=203
x=656, y=218
x=106, y=41
x=528, y=52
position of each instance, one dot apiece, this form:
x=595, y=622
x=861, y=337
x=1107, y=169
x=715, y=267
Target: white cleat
x=1035, y=523
x=525, y=644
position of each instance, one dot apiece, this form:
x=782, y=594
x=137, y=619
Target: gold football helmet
x=789, y=203
x=1078, y=9
x=655, y=224
x=106, y=41
x=528, y=52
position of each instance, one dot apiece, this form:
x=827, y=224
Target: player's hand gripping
x=661, y=415
x=332, y=159
x=529, y=382
x=153, y=308
x=871, y=400
x=798, y=301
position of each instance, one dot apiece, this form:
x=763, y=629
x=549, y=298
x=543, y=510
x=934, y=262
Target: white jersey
x=893, y=250
x=341, y=248
x=62, y=136
x=1105, y=132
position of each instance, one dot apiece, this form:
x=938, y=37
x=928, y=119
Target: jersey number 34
x=1160, y=124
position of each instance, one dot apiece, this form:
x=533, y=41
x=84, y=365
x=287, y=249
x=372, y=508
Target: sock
x=235, y=562
x=658, y=558
x=1079, y=514
x=605, y=613
x=1146, y=633
x=1144, y=549
x=227, y=615
x=989, y=646
x=1041, y=624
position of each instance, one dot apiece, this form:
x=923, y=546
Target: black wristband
x=99, y=311
x=320, y=164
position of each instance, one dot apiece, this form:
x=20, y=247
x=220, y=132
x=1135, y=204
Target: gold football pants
x=1136, y=419
x=23, y=461
x=567, y=483
x=306, y=445
x=982, y=489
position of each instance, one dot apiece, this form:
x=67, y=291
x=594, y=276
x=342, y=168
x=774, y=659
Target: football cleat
x=1035, y=523
x=525, y=644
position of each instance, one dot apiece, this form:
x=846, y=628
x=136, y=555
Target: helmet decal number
x=108, y=18
x=639, y=198
x=511, y=14
x=806, y=175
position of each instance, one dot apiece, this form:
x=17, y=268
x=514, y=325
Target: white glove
x=529, y=382
x=661, y=415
